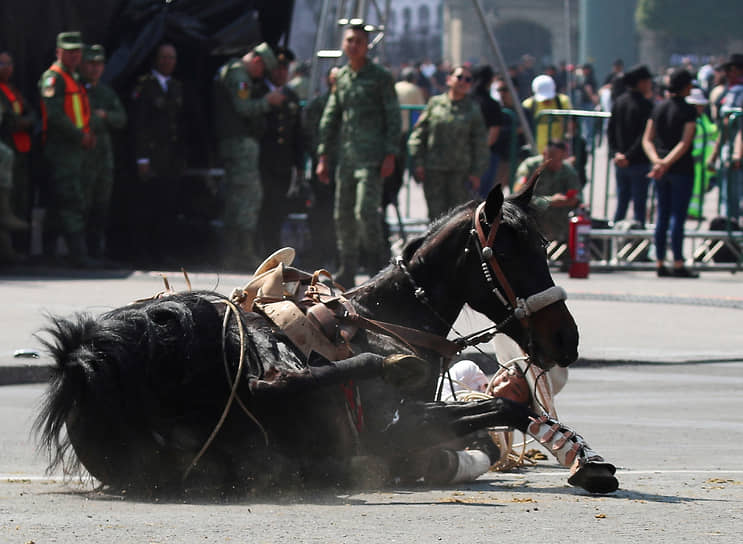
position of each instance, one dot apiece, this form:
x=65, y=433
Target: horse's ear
x=523, y=196
x=411, y=247
x=494, y=203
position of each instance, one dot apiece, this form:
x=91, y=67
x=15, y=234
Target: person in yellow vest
x=67, y=134
x=18, y=120
x=702, y=148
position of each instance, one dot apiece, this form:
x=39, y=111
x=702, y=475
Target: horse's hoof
x=405, y=371
x=595, y=478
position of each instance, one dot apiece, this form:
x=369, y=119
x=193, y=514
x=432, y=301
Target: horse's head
x=452, y=264
x=549, y=334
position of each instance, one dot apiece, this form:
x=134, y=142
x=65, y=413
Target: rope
x=233, y=385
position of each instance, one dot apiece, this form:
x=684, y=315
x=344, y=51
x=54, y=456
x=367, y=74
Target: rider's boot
x=346, y=274
x=8, y=219
x=587, y=468
x=451, y=467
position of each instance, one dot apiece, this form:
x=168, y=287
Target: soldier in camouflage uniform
x=107, y=113
x=242, y=101
x=281, y=155
x=362, y=121
x=322, y=231
x=18, y=121
x=448, y=146
x=7, y=253
x=556, y=192
x=67, y=134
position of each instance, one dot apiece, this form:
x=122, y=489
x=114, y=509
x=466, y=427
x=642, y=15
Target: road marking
x=629, y=471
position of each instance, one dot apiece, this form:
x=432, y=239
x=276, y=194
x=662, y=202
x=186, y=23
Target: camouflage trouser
x=243, y=192
x=97, y=182
x=66, y=207
x=445, y=189
x=357, y=213
x=6, y=167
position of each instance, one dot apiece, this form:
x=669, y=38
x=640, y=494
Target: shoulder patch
x=48, y=87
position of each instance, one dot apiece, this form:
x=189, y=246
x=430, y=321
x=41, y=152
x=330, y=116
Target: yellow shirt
x=546, y=130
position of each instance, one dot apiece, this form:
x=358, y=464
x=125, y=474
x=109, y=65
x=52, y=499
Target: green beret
x=69, y=40
x=94, y=53
x=264, y=51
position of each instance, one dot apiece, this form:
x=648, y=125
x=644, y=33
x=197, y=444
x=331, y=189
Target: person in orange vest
x=66, y=124
x=18, y=120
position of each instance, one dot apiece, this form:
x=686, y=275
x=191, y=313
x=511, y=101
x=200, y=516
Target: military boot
x=7, y=253
x=96, y=244
x=79, y=252
x=346, y=274
x=248, y=256
x=8, y=220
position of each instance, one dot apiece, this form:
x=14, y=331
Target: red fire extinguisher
x=578, y=243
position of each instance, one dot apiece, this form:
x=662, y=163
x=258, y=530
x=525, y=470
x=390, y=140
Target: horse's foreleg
x=587, y=468
x=399, y=370
x=419, y=426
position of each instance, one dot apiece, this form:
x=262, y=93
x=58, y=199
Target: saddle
x=308, y=308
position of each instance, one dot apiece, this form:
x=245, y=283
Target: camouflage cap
x=264, y=51
x=69, y=40
x=94, y=53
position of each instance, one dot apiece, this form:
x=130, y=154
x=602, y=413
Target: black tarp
x=204, y=32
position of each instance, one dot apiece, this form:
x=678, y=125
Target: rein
x=517, y=307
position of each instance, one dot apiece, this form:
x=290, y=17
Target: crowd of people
x=451, y=132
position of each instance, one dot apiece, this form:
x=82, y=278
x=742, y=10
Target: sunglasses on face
x=462, y=77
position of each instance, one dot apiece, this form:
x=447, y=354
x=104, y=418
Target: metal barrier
x=617, y=249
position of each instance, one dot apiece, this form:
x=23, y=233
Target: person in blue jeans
x=629, y=116
x=667, y=141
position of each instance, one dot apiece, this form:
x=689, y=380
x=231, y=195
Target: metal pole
x=504, y=69
x=322, y=26
x=568, y=48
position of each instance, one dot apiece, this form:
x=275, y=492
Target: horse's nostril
x=566, y=341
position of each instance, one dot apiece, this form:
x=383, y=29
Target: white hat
x=543, y=88
x=696, y=96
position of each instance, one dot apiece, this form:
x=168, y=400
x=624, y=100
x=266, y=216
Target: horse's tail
x=69, y=383
x=135, y=392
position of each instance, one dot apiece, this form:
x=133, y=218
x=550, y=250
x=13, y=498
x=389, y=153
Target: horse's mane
x=513, y=215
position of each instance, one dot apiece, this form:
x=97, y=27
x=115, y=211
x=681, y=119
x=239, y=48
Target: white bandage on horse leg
x=472, y=463
x=565, y=444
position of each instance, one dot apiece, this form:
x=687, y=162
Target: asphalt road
x=673, y=431
x=672, y=425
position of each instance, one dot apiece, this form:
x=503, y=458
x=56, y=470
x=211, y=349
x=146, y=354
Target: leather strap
x=411, y=337
x=488, y=242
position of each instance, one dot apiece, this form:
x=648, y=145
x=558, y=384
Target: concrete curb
x=23, y=374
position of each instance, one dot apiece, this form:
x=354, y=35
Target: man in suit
x=156, y=115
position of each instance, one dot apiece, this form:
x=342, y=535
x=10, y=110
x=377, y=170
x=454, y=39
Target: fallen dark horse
x=190, y=392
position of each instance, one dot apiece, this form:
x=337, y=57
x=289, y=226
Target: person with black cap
x=731, y=186
x=629, y=115
x=667, y=141
x=281, y=155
